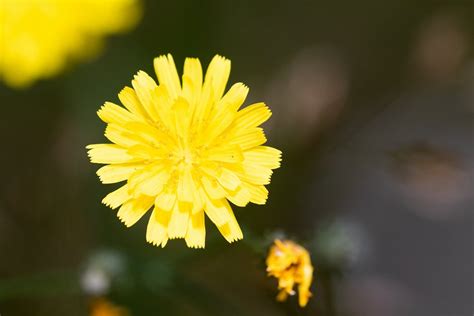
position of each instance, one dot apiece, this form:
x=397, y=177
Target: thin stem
x=329, y=297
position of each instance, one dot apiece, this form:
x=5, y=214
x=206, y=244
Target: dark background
x=373, y=108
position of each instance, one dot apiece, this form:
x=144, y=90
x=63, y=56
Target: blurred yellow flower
x=186, y=149
x=102, y=307
x=291, y=264
x=39, y=37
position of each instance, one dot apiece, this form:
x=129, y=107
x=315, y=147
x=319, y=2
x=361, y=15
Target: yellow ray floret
x=185, y=149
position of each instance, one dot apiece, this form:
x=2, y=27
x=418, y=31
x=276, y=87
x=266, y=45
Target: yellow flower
x=185, y=149
x=39, y=37
x=102, y=307
x=291, y=264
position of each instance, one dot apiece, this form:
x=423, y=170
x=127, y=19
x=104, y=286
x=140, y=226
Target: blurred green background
x=373, y=109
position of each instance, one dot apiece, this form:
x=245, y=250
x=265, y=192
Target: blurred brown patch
x=441, y=47
x=431, y=177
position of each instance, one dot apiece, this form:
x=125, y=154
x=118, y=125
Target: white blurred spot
x=100, y=271
x=95, y=282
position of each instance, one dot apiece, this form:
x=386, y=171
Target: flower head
x=185, y=150
x=291, y=264
x=39, y=37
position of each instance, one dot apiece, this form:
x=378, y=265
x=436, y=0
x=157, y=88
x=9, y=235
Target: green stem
x=327, y=284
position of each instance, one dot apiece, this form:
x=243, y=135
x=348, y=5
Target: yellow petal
x=233, y=99
x=217, y=210
x=263, y=156
x=139, y=176
x=146, y=152
x=255, y=174
x=165, y=201
x=248, y=138
x=113, y=113
x=149, y=181
x=119, y=135
x=216, y=76
x=116, y=173
x=192, y=80
x=258, y=193
x=216, y=127
x=131, y=211
x=228, y=179
x=157, y=229
x=203, y=110
x=240, y=196
x=182, y=118
x=198, y=202
x=230, y=154
x=144, y=87
x=150, y=134
x=213, y=188
x=117, y=197
x=167, y=75
x=109, y=153
x=178, y=224
x=186, y=186
x=196, y=233
x=154, y=185
x=164, y=102
x=231, y=230
x=130, y=100
x=252, y=116
x=225, y=111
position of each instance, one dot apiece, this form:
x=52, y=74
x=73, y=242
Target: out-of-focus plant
x=38, y=38
x=340, y=243
x=291, y=264
x=103, y=307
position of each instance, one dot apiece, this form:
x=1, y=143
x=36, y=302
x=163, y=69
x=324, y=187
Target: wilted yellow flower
x=39, y=37
x=291, y=264
x=102, y=307
x=186, y=149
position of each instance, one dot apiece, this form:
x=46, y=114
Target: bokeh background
x=373, y=105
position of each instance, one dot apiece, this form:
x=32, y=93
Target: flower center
x=185, y=156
